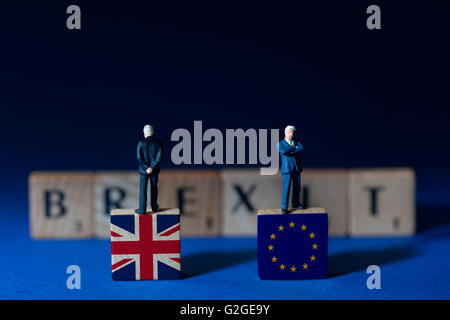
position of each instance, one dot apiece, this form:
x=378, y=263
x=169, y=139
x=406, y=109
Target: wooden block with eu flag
x=294, y=245
x=145, y=247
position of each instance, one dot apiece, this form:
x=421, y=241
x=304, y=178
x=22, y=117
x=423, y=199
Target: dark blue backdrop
x=79, y=99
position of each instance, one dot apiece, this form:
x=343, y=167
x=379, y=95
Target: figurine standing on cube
x=149, y=155
x=291, y=168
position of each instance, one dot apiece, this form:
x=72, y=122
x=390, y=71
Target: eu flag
x=293, y=246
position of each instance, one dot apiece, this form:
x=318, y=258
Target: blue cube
x=294, y=245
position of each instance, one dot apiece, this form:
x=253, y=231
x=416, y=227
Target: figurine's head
x=148, y=130
x=289, y=132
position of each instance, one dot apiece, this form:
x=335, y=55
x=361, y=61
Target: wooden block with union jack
x=145, y=247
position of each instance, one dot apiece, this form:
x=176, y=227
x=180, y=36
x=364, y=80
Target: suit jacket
x=290, y=156
x=149, y=154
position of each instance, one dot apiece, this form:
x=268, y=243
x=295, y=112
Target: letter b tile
x=61, y=205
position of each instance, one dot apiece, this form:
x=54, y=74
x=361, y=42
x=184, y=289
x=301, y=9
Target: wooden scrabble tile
x=198, y=195
x=328, y=188
x=294, y=245
x=145, y=247
x=381, y=202
x=61, y=204
x=113, y=190
x=244, y=192
x=195, y=192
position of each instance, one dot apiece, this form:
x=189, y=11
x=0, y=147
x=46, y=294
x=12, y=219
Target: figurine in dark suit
x=149, y=154
x=291, y=168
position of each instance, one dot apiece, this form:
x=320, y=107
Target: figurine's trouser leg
x=154, y=191
x=296, y=187
x=143, y=192
x=286, y=189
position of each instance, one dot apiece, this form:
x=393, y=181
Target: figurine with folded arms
x=291, y=168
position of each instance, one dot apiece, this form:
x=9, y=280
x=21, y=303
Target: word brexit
x=235, y=140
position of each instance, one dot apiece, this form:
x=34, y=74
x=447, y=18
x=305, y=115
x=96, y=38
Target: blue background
x=77, y=100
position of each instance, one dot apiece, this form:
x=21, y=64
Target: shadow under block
x=244, y=192
x=381, y=202
x=292, y=246
x=61, y=205
x=145, y=247
x=195, y=192
x=328, y=188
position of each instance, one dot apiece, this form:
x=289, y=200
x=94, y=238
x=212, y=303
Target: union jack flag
x=145, y=247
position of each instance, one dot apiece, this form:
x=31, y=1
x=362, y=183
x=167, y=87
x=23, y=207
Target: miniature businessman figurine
x=291, y=168
x=149, y=154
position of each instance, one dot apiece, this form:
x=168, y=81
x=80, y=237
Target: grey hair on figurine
x=148, y=130
x=289, y=128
